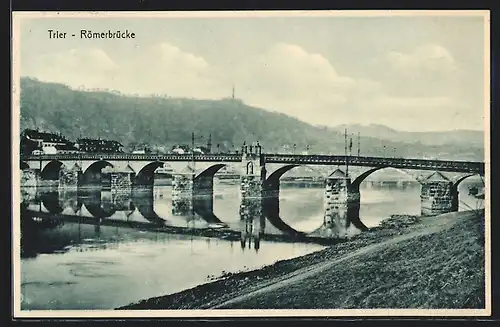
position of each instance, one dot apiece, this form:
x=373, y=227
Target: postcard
x=251, y=164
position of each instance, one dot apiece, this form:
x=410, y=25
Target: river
x=74, y=264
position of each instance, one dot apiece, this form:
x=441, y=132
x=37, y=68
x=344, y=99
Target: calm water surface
x=81, y=265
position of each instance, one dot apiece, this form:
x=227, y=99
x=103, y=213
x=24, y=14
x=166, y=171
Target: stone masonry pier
x=438, y=195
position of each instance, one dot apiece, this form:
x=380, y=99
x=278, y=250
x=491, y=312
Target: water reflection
x=341, y=221
x=79, y=248
x=297, y=214
x=52, y=208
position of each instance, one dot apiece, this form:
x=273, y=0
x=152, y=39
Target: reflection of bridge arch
x=271, y=210
x=204, y=208
x=146, y=209
x=51, y=202
x=51, y=170
x=145, y=176
x=359, y=179
x=93, y=203
x=97, y=211
x=340, y=223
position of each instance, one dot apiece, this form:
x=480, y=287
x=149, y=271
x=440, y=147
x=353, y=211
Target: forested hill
x=161, y=121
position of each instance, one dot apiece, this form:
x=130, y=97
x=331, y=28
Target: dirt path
x=430, y=226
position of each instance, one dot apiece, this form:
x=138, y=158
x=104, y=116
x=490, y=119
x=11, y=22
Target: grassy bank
x=430, y=262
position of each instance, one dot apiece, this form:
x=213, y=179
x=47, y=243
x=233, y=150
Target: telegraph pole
x=345, y=153
x=358, y=143
x=192, y=149
x=209, y=143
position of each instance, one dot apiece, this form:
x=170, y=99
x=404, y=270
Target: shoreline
x=239, y=289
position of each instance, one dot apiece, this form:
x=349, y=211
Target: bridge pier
x=190, y=192
x=341, y=200
x=438, y=195
x=30, y=177
x=252, y=189
x=182, y=193
x=69, y=177
x=118, y=180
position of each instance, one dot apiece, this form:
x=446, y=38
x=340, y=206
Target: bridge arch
x=97, y=166
x=459, y=180
x=24, y=165
x=51, y=170
x=145, y=176
x=92, y=173
x=211, y=171
x=355, y=184
x=457, y=198
x=273, y=180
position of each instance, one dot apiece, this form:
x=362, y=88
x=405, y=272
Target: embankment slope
x=437, y=262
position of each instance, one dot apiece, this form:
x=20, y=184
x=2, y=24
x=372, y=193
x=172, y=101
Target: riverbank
x=407, y=262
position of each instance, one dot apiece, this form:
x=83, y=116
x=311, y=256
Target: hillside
x=161, y=121
x=475, y=138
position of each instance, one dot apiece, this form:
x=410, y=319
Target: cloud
x=158, y=69
x=410, y=87
x=428, y=70
x=427, y=58
x=417, y=113
x=77, y=67
x=289, y=79
x=166, y=69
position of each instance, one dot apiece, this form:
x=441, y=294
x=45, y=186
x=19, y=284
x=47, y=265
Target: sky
x=410, y=73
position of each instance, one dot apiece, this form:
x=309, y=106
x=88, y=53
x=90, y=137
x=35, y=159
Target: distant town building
x=181, y=149
x=37, y=142
x=44, y=139
x=139, y=148
x=98, y=145
x=201, y=150
x=66, y=148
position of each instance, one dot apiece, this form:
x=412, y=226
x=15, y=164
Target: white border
x=18, y=313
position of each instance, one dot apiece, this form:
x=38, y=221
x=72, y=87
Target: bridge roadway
x=290, y=159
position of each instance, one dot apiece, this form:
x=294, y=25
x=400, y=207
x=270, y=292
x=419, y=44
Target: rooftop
x=436, y=177
x=44, y=136
x=337, y=174
x=97, y=141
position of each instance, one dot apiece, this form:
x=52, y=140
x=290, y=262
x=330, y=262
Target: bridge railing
x=410, y=163
x=413, y=163
x=129, y=156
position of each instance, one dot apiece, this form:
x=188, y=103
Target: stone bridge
x=260, y=174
